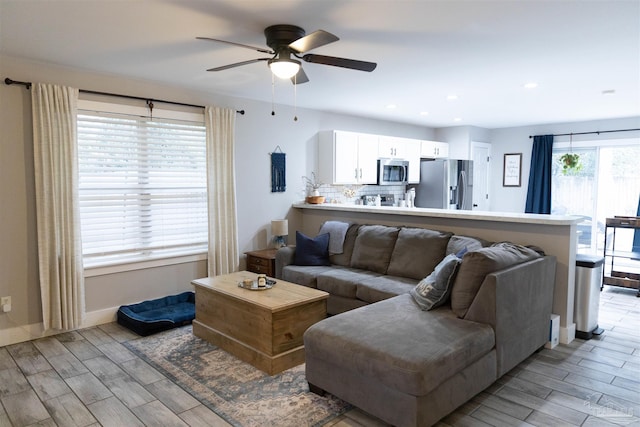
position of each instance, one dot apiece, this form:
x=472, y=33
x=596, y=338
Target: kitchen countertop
x=445, y=213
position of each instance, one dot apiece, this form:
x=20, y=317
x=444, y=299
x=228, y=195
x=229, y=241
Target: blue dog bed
x=148, y=317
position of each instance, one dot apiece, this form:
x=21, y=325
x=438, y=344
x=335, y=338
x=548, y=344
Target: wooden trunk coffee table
x=262, y=327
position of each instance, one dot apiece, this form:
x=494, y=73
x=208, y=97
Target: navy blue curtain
x=539, y=191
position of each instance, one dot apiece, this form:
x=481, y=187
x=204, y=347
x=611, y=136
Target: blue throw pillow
x=312, y=251
x=434, y=290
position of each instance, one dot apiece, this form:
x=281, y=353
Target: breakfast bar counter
x=555, y=234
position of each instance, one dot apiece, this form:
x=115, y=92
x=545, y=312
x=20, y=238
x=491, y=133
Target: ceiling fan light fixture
x=284, y=68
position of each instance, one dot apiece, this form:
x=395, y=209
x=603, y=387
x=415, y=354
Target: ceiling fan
x=288, y=42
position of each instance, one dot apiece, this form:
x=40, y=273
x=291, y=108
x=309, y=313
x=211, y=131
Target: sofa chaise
x=409, y=359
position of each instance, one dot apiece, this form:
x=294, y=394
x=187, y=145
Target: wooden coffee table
x=263, y=327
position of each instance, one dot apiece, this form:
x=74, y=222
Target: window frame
x=195, y=115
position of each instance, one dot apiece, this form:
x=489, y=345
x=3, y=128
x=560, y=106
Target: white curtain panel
x=221, y=188
x=54, y=111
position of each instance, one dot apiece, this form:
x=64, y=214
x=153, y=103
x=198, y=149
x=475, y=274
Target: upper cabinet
x=347, y=158
x=351, y=157
x=391, y=147
x=434, y=150
x=413, y=156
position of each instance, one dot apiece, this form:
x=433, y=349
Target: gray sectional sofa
x=409, y=360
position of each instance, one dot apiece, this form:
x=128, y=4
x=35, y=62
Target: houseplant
x=570, y=163
x=313, y=189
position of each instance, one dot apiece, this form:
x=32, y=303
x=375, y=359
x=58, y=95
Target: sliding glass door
x=606, y=184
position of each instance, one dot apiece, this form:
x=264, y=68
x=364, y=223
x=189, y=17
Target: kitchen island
x=555, y=234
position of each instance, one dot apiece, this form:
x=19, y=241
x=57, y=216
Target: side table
x=262, y=261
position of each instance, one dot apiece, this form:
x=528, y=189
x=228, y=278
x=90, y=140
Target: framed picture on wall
x=511, y=172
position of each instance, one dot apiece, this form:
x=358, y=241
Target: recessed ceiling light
x=452, y=97
x=457, y=119
x=424, y=113
x=392, y=106
x=609, y=92
x=530, y=85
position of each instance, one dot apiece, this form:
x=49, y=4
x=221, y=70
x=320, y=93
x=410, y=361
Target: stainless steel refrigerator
x=445, y=184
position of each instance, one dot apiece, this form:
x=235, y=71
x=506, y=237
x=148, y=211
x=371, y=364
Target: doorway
x=481, y=156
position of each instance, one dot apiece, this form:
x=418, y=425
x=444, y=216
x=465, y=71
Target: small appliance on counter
x=385, y=200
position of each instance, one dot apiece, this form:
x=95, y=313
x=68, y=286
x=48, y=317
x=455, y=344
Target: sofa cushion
x=344, y=259
x=304, y=275
x=477, y=264
x=312, y=251
x=383, y=287
x=343, y=281
x=373, y=247
x=457, y=244
x=434, y=290
x=417, y=252
x=428, y=348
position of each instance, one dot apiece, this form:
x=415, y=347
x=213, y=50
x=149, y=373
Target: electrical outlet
x=5, y=304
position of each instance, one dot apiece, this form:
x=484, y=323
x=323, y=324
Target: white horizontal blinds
x=143, y=190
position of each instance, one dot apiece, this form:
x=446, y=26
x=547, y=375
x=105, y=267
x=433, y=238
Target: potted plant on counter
x=313, y=189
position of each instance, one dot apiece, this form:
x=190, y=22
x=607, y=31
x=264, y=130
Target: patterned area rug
x=235, y=390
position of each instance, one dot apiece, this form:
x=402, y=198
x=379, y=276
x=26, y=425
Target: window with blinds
x=142, y=187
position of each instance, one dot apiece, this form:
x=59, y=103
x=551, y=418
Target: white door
x=481, y=156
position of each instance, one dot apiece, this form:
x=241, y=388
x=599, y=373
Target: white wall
x=257, y=134
x=516, y=140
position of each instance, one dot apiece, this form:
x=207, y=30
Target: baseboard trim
x=34, y=331
x=567, y=333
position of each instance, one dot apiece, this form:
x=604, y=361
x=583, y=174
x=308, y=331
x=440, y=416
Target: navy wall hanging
x=278, y=171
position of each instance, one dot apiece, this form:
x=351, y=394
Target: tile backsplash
x=340, y=193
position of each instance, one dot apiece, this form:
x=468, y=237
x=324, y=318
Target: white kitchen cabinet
x=347, y=158
x=405, y=149
x=391, y=147
x=413, y=147
x=434, y=150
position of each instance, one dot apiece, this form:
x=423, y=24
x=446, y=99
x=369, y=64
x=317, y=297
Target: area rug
x=233, y=389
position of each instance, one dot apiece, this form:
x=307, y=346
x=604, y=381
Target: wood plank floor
x=88, y=378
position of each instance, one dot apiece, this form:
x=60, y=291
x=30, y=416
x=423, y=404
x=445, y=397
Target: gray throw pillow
x=373, y=247
x=434, y=290
x=417, y=252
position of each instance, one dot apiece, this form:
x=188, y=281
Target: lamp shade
x=284, y=68
x=280, y=227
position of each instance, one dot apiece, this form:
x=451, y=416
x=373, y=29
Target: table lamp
x=279, y=229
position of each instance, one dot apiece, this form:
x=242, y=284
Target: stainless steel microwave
x=393, y=172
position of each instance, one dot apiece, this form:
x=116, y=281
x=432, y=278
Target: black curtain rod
x=9, y=81
x=589, y=133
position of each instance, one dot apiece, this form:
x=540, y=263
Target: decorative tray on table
x=253, y=286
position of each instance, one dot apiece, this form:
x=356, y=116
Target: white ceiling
x=481, y=51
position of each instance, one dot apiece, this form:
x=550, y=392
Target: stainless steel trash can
x=587, y=295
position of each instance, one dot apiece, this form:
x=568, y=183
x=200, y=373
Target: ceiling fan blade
x=312, y=41
x=258, y=49
x=300, y=78
x=340, y=62
x=238, y=64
